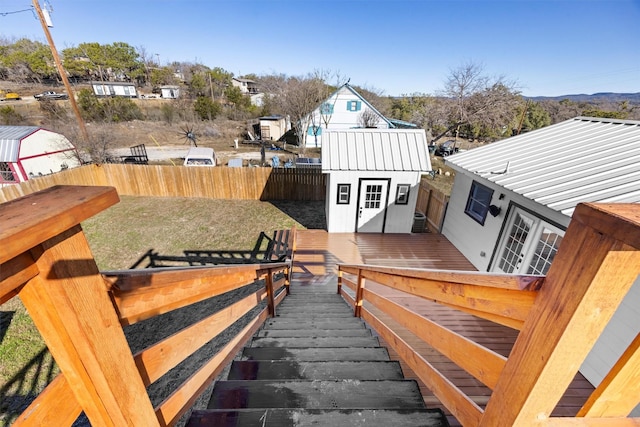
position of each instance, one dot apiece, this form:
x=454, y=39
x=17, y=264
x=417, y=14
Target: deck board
x=318, y=252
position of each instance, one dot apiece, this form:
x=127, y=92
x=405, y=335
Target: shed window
x=6, y=174
x=354, y=105
x=402, y=194
x=478, y=202
x=344, y=194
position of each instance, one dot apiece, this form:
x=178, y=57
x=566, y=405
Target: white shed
x=373, y=178
x=512, y=201
x=29, y=151
x=170, y=92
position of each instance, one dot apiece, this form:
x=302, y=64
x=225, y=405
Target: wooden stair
x=315, y=364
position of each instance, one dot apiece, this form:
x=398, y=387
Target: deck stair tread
x=314, y=363
x=316, y=417
x=317, y=394
x=323, y=370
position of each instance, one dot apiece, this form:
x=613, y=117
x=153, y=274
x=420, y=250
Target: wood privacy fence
x=214, y=183
x=433, y=204
x=177, y=181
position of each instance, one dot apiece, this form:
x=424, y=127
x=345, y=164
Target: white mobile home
x=373, y=178
x=512, y=201
x=124, y=89
x=30, y=151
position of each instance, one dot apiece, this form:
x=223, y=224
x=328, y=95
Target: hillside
x=632, y=98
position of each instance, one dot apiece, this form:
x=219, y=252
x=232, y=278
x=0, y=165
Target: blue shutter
x=358, y=105
x=312, y=129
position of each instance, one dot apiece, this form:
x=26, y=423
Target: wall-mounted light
x=494, y=210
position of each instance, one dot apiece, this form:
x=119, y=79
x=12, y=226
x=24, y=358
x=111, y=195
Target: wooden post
x=596, y=265
x=359, y=294
x=270, y=297
x=69, y=304
x=339, y=280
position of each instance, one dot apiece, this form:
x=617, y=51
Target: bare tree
x=368, y=119
x=477, y=101
x=296, y=97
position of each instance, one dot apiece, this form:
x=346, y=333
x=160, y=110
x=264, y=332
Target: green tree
x=117, y=61
x=220, y=80
x=235, y=96
x=26, y=60
x=206, y=108
x=162, y=76
x=116, y=109
x=198, y=85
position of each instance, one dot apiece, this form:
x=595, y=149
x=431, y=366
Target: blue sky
x=396, y=47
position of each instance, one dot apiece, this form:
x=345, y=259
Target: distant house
x=373, y=178
x=124, y=89
x=344, y=109
x=170, y=92
x=246, y=85
x=30, y=151
x=512, y=201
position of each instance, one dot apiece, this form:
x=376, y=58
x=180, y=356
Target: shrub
x=10, y=116
x=206, y=108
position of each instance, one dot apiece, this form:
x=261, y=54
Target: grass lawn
x=118, y=237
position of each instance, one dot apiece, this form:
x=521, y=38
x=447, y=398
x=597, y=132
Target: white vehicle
x=200, y=156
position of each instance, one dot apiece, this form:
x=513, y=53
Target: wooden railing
x=80, y=313
x=559, y=317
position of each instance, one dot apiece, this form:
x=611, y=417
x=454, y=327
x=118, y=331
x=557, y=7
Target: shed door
x=372, y=205
x=528, y=246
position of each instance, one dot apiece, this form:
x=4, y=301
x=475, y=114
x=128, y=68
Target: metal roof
x=583, y=159
x=10, y=137
x=375, y=150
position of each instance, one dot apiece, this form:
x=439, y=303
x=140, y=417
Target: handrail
x=80, y=312
x=560, y=317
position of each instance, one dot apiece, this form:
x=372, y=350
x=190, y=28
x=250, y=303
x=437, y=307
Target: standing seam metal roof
x=375, y=150
x=10, y=137
x=583, y=159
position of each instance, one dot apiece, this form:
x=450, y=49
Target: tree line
x=470, y=104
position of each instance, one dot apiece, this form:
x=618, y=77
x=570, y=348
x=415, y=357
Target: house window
x=326, y=108
x=478, y=202
x=354, y=105
x=128, y=90
x=6, y=174
x=344, y=194
x=314, y=130
x=99, y=90
x=402, y=194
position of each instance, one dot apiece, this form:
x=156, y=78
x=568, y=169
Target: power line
x=18, y=11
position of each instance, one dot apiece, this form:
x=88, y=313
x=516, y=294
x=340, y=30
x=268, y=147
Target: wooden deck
x=318, y=252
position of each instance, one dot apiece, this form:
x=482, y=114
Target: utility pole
x=61, y=71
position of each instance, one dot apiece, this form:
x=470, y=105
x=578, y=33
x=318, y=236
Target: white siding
x=342, y=218
x=616, y=337
x=342, y=117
